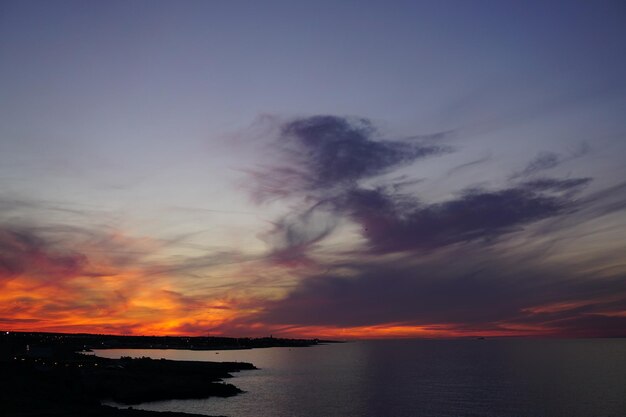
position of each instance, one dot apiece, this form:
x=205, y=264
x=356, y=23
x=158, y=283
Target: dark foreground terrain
x=76, y=384
x=84, y=341
x=44, y=374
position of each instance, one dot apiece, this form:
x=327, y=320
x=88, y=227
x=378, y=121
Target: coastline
x=78, y=383
x=45, y=374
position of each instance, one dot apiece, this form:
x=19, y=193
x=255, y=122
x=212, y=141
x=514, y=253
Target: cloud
x=542, y=162
x=480, y=259
x=59, y=277
x=325, y=161
x=596, y=207
x=463, y=167
x=338, y=151
x=294, y=235
x=554, y=184
x=394, y=223
x=322, y=159
x=24, y=252
x=53, y=273
x=606, y=201
x=531, y=287
x=548, y=160
x=478, y=290
x=329, y=153
x=10, y=320
x=477, y=260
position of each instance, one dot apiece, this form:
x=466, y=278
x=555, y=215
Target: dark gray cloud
x=23, y=250
x=472, y=287
x=338, y=151
x=593, y=206
x=394, y=223
x=322, y=159
x=323, y=153
x=592, y=325
x=479, y=290
x=450, y=266
x=325, y=159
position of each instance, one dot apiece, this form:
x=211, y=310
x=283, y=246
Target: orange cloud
x=99, y=283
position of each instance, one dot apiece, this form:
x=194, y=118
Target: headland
x=51, y=374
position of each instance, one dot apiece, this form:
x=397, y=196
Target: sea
x=412, y=378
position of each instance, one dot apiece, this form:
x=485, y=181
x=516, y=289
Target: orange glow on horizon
x=100, y=291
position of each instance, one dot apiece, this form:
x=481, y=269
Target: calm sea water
x=439, y=378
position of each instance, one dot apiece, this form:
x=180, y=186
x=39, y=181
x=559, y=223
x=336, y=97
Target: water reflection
x=418, y=378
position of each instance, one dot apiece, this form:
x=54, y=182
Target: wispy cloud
x=324, y=154
x=325, y=162
x=61, y=277
x=548, y=160
x=471, y=288
x=467, y=165
x=482, y=259
x=394, y=223
x=455, y=264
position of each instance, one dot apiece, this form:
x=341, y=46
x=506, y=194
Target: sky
x=353, y=169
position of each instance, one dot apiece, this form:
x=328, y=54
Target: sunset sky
x=318, y=169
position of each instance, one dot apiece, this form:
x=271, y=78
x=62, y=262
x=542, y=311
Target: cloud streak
x=456, y=266
x=484, y=290
x=326, y=161
x=357, y=249
x=393, y=223
x=548, y=160
x=56, y=277
x=321, y=154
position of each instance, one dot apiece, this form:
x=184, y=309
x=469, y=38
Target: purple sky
x=352, y=168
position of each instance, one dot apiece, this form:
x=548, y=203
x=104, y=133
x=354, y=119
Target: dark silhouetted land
x=44, y=374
